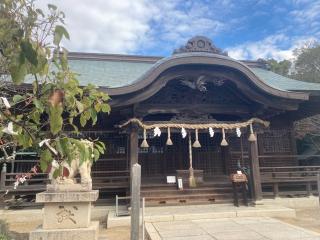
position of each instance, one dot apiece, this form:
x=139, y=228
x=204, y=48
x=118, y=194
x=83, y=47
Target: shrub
x=4, y=230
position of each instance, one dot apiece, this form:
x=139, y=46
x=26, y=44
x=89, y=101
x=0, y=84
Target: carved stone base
x=66, y=214
x=69, y=187
x=66, y=209
x=70, y=196
x=89, y=233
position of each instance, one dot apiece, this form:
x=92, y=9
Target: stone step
x=191, y=196
x=174, y=186
x=168, y=192
x=189, y=199
x=187, y=202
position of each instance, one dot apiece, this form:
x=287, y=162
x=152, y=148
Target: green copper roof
x=283, y=83
x=113, y=74
x=108, y=73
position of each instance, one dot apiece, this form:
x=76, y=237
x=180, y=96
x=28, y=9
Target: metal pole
x=318, y=181
x=143, y=209
x=135, y=201
x=117, y=206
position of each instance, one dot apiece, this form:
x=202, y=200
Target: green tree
x=307, y=63
x=46, y=107
x=281, y=67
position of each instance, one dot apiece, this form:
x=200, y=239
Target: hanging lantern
x=211, y=132
x=144, y=143
x=169, y=141
x=156, y=132
x=252, y=137
x=183, y=132
x=196, y=143
x=238, y=131
x=224, y=141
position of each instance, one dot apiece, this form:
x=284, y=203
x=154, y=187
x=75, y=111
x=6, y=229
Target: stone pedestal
x=66, y=214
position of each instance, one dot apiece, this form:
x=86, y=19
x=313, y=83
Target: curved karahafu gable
x=200, y=56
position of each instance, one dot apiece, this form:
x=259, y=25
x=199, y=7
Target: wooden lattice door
x=161, y=160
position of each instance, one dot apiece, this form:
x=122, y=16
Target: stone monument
x=67, y=208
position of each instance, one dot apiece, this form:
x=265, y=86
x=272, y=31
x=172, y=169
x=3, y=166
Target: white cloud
x=174, y=25
x=127, y=26
x=306, y=16
x=307, y=11
x=269, y=47
x=104, y=26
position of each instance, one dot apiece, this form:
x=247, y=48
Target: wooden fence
x=290, y=180
x=102, y=180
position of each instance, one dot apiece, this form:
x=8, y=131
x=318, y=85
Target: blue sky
x=247, y=29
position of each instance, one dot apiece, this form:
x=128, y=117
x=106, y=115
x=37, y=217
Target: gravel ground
x=308, y=218
x=21, y=231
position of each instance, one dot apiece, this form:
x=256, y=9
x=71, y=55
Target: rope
x=196, y=126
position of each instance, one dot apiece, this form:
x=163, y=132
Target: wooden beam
x=255, y=171
x=201, y=108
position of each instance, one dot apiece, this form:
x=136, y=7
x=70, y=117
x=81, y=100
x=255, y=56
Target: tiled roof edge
x=139, y=58
x=112, y=57
x=260, y=63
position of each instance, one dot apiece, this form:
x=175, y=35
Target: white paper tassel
x=196, y=143
x=183, y=132
x=252, y=137
x=224, y=141
x=5, y=102
x=144, y=143
x=156, y=132
x=46, y=142
x=211, y=132
x=54, y=164
x=238, y=131
x=169, y=141
x=9, y=129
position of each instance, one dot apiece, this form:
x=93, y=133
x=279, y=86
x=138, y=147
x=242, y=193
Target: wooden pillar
x=255, y=170
x=133, y=148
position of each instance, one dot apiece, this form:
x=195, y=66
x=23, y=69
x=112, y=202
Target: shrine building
x=196, y=113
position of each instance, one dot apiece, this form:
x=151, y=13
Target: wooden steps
x=210, y=192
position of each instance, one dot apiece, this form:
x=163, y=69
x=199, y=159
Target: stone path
x=242, y=228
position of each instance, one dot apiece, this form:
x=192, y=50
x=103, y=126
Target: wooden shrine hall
x=198, y=103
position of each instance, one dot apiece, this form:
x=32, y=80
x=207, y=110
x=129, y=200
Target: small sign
x=180, y=184
x=171, y=179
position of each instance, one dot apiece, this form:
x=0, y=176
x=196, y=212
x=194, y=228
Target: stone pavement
x=241, y=228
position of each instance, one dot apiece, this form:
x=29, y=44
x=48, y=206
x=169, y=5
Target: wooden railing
x=102, y=180
x=303, y=176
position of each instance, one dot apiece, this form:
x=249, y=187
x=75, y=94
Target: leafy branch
x=31, y=53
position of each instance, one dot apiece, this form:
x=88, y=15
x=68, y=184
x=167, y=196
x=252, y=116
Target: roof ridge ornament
x=200, y=44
